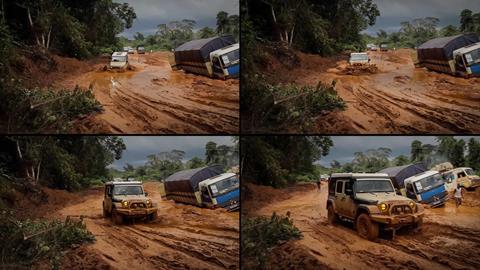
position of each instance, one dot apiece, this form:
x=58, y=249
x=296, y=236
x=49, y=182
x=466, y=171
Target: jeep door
x=341, y=198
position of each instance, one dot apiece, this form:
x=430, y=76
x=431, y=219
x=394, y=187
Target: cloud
x=393, y=12
x=150, y=13
x=138, y=147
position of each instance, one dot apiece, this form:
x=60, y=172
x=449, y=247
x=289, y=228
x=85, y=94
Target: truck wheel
x=116, y=217
x=366, y=228
x=332, y=217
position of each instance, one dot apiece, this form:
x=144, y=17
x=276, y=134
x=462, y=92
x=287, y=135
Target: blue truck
x=205, y=187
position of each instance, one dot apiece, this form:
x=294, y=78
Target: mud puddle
x=154, y=99
x=183, y=237
x=450, y=238
x=398, y=99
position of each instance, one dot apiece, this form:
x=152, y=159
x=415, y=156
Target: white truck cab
x=119, y=60
x=226, y=61
x=467, y=60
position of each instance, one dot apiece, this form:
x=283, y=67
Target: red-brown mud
x=450, y=238
x=153, y=98
x=398, y=99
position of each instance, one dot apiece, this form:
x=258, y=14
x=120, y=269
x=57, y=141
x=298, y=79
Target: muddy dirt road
x=184, y=237
x=398, y=99
x=155, y=99
x=450, y=238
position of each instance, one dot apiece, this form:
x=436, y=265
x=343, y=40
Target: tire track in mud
x=155, y=99
x=184, y=237
x=398, y=99
x=447, y=241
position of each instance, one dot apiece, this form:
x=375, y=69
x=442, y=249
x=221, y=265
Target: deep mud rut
x=154, y=99
x=450, y=239
x=183, y=237
x=398, y=99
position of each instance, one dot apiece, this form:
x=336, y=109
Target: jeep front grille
x=138, y=205
x=401, y=210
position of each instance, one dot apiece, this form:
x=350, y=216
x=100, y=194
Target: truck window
x=339, y=187
x=230, y=58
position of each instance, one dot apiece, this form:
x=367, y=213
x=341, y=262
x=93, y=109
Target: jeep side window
x=348, y=187
x=339, y=187
x=460, y=175
x=109, y=191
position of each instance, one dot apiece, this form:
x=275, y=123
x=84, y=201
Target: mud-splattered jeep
x=123, y=200
x=371, y=203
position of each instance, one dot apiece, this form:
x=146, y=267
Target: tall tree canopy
x=281, y=160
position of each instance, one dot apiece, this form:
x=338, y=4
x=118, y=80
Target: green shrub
x=39, y=111
x=260, y=234
x=281, y=107
x=26, y=242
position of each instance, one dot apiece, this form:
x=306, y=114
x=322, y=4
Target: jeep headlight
x=383, y=207
x=149, y=203
x=125, y=204
x=412, y=205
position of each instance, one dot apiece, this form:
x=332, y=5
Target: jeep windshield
x=371, y=186
x=359, y=57
x=469, y=171
x=428, y=183
x=119, y=59
x=127, y=190
x=224, y=186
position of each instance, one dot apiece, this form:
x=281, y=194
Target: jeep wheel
x=152, y=216
x=332, y=217
x=366, y=228
x=116, y=217
x=419, y=225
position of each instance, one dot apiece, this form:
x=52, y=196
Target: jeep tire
x=332, y=217
x=116, y=217
x=153, y=216
x=366, y=228
x=105, y=212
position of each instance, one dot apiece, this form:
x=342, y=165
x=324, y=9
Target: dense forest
x=271, y=29
x=415, y=32
x=173, y=34
x=161, y=165
x=34, y=32
x=279, y=161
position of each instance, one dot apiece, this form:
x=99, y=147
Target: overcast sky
x=346, y=146
x=139, y=147
x=151, y=13
x=393, y=12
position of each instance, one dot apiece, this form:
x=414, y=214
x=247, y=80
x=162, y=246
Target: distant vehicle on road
x=374, y=48
x=360, y=63
x=141, y=50
x=456, y=55
x=384, y=47
x=465, y=177
x=119, y=60
x=131, y=50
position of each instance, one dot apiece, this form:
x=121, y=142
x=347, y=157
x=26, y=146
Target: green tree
x=195, y=162
x=222, y=22
x=401, y=160
x=449, y=30
x=467, y=23
x=139, y=36
x=281, y=160
x=416, y=152
x=473, y=156
x=211, y=153
x=206, y=32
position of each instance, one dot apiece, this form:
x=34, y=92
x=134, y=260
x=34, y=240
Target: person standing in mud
x=458, y=195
